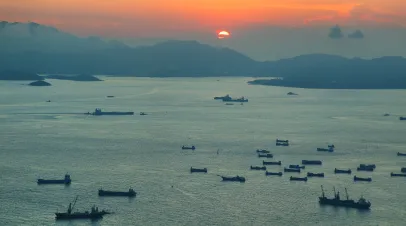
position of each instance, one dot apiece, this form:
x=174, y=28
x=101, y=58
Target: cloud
x=335, y=32
x=356, y=34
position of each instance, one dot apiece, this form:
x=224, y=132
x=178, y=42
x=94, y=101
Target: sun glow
x=223, y=34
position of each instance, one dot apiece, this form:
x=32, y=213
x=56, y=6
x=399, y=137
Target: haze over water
x=144, y=152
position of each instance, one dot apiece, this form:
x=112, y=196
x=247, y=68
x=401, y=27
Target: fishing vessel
x=271, y=163
x=311, y=162
x=291, y=170
x=273, y=173
x=309, y=174
x=188, y=148
x=398, y=174
x=368, y=179
x=258, y=168
x=234, y=179
x=298, y=178
x=197, y=170
x=69, y=215
x=296, y=167
x=348, y=203
x=342, y=171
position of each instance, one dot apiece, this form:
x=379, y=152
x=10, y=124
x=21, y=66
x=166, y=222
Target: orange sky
x=165, y=17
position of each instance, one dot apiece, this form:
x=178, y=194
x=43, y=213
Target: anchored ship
x=258, y=168
x=348, y=203
x=66, y=180
x=311, y=162
x=188, y=148
x=196, y=170
x=235, y=179
x=99, y=112
x=242, y=99
x=291, y=170
x=271, y=163
x=298, y=178
x=342, y=171
x=69, y=215
x=226, y=97
x=129, y=193
x=309, y=174
x=273, y=173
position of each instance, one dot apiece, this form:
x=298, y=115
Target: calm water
x=144, y=152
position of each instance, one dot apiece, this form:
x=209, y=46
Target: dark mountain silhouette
x=46, y=50
x=79, y=78
x=19, y=75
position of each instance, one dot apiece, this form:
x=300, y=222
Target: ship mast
x=73, y=206
x=335, y=194
x=346, y=193
x=322, y=191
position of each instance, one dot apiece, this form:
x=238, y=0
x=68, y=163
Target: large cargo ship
x=66, y=180
x=348, y=203
x=99, y=112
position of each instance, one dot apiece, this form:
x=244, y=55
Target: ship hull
x=117, y=193
x=193, y=170
x=344, y=203
x=42, y=181
x=73, y=216
x=113, y=113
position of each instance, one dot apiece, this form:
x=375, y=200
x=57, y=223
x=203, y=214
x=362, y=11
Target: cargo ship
x=298, y=178
x=309, y=174
x=234, y=179
x=65, y=181
x=129, y=193
x=271, y=163
x=197, y=170
x=348, y=203
x=273, y=173
x=311, y=162
x=94, y=213
x=99, y=112
x=342, y=171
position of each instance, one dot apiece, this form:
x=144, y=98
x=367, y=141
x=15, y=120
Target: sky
x=248, y=21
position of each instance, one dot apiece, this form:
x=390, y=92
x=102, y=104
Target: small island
x=39, y=83
x=78, y=78
x=19, y=76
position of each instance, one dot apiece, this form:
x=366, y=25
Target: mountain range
x=31, y=47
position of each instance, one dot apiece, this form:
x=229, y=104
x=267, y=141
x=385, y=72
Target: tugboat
x=273, y=174
x=311, y=162
x=226, y=97
x=234, y=179
x=368, y=179
x=263, y=151
x=401, y=154
x=342, y=171
x=398, y=174
x=241, y=100
x=315, y=174
x=258, y=168
x=94, y=213
x=291, y=170
x=269, y=156
x=99, y=112
x=348, y=203
x=298, y=178
x=65, y=181
x=188, y=148
x=271, y=163
x=129, y=193
x=196, y=170
x=296, y=167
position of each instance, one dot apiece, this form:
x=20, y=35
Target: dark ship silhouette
x=348, y=203
x=258, y=168
x=188, y=148
x=129, y=193
x=94, y=213
x=196, y=170
x=309, y=174
x=273, y=173
x=271, y=163
x=99, y=112
x=65, y=181
x=342, y=171
x=234, y=179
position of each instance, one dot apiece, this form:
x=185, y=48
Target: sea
x=40, y=139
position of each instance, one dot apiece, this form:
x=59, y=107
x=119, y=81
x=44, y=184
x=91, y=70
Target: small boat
x=342, y=171
x=291, y=170
x=110, y=96
x=48, y=101
x=66, y=180
x=143, y=113
x=271, y=163
x=401, y=154
x=269, y=156
x=223, y=97
x=329, y=149
x=69, y=215
x=197, y=170
x=273, y=173
x=298, y=178
x=188, y=148
x=282, y=144
x=402, y=118
x=309, y=174
x=258, y=168
x=129, y=193
x=398, y=174
x=99, y=112
x=241, y=100
x=282, y=141
x=362, y=179
x=263, y=151
x=234, y=179
x=386, y=114
x=368, y=166
x=365, y=168
x=311, y=162
x=292, y=94
x=403, y=170
x=296, y=167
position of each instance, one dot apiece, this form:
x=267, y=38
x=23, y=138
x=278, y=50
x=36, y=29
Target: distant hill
x=19, y=75
x=41, y=49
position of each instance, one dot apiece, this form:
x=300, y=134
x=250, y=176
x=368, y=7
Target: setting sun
x=223, y=34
